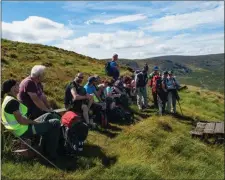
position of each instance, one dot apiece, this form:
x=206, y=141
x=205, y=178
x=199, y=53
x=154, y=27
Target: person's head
x=165, y=74
x=106, y=83
x=111, y=82
x=115, y=57
x=92, y=80
x=37, y=73
x=144, y=70
x=98, y=79
x=11, y=87
x=170, y=73
x=79, y=78
x=156, y=70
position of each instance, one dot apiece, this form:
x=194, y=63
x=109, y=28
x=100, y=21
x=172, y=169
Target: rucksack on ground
x=119, y=115
x=74, y=132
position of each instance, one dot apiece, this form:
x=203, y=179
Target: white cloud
x=120, y=19
x=35, y=29
x=137, y=44
x=188, y=20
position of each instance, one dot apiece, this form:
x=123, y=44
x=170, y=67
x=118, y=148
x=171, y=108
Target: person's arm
x=44, y=99
x=77, y=96
x=38, y=102
x=23, y=120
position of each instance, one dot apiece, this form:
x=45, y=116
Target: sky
x=132, y=29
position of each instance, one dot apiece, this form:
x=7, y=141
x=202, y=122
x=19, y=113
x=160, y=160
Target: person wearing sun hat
x=14, y=118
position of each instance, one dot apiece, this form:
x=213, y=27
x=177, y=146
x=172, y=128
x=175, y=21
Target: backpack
x=74, y=132
x=117, y=114
x=158, y=84
x=108, y=70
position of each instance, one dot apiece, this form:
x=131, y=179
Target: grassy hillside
x=152, y=148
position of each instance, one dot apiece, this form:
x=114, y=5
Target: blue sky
x=132, y=29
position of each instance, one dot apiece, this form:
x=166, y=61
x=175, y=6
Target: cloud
x=188, y=20
x=137, y=44
x=120, y=19
x=35, y=29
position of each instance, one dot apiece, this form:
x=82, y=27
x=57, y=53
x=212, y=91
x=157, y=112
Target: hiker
x=98, y=107
x=78, y=100
x=146, y=67
x=127, y=85
x=162, y=92
x=153, y=78
x=14, y=118
x=110, y=102
x=140, y=86
x=31, y=93
x=114, y=67
x=90, y=87
x=172, y=86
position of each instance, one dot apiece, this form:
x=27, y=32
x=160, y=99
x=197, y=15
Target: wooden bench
x=206, y=130
x=61, y=111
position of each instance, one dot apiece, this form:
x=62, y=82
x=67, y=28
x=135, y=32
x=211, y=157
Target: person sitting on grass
x=31, y=93
x=78, y=100
x=14, y=118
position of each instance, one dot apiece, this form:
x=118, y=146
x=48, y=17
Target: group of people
x=163, y=86
x=27, y=112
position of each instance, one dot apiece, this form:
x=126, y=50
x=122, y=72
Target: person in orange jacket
x=152, y=84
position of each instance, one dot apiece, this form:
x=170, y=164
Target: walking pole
x=180, y=107
x=39, y=153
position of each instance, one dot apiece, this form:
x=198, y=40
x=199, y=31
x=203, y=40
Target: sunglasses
x=80, y=77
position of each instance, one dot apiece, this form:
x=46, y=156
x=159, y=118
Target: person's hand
x=89, y=97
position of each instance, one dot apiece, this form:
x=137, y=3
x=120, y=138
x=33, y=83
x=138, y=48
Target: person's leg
x=160, y=104
x=155, y=99
x=49, y=130
x=85, y=110
x=139, y=98
x=169, y=102
x=145, y=96
x=174, y=102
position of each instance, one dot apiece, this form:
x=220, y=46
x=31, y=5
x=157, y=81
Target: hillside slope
x=152, y=148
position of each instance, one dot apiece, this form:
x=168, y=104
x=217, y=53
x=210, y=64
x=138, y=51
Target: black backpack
x=72, y=139
x=159, y=84
x=108, y=69
x=117, y=114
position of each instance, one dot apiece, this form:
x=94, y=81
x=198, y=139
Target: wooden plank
x=219, y=128
x=209, y=128
x=61, y=111
x=198, y=129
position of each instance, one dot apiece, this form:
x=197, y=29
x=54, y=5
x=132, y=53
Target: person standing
x=115, y=67
x=140, y=86
x=162, y=93
x=172, y=86
x=153, y=81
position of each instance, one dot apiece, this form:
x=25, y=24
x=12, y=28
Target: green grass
x=152, y=148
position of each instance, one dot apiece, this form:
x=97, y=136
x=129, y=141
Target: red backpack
x=154, y=82
x=69, y=118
